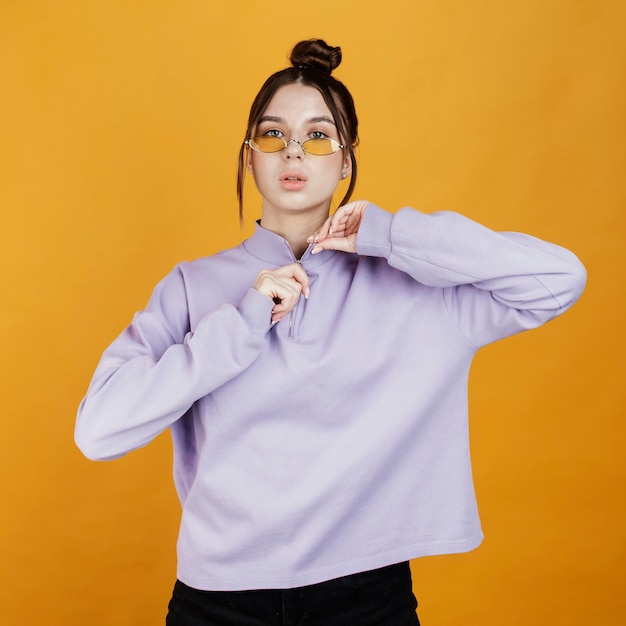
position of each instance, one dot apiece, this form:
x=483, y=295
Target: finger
x=276, y=287
x=334, y=226
x=296, y=272
x=302, y=278
x=322, y=233
x=343, y=244
x=338, y=220
x=285, y=302
x=279, y=312
x=338, y=229
x=284, y=286
x=349, y=216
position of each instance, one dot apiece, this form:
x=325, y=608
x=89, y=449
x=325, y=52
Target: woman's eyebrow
x=313, y=120
x=321, y=118
x=271, y=118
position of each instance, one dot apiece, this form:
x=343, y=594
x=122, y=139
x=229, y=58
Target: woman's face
x=292, y=181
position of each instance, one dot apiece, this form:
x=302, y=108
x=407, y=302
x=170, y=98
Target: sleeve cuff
x=256, y=311
x=374, y=237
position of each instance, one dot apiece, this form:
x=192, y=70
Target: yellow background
x=120, y=121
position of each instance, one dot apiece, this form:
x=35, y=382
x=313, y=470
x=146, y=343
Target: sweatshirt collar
x=272, y=248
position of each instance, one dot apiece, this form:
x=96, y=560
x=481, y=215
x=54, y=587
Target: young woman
x=314, y=378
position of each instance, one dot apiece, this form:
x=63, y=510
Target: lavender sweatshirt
x=335, y=441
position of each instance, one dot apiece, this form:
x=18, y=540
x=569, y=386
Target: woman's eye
x=273, y=132
x=318, y=134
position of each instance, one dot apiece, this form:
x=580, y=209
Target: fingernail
x=309, y=239
x=316, y=249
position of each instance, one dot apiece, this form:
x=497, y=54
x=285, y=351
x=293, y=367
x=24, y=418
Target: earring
x=343, y=176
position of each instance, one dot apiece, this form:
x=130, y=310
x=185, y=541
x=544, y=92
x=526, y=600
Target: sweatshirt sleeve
x=156, y=369
x=494, y=284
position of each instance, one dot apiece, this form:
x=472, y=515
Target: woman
x=314, y=378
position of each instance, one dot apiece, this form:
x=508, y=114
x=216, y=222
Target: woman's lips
x=292, y=181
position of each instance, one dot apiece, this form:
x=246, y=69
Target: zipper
x=292, y=315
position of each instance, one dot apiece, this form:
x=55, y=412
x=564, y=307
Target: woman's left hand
x=339, y=231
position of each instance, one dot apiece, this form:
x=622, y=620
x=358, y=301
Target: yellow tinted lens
x=320, y=147
x=267, y=144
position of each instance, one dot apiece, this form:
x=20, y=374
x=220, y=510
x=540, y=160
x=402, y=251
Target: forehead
x=296, y=101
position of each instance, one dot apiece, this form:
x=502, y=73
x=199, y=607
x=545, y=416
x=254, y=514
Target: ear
x=346, y=170
x=249, y=160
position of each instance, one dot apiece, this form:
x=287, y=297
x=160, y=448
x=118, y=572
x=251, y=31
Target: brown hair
x=312, y=63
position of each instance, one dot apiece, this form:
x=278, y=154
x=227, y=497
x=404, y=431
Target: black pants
x=381, y=597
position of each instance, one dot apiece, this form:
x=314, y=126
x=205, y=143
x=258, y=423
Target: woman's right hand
x=284, y=286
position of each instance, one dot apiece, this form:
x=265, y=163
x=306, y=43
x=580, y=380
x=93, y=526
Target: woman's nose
x=294, y=149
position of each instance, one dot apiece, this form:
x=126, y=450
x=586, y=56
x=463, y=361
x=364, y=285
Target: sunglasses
x=317, y=147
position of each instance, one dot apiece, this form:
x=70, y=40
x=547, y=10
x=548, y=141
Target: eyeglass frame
x=333, y=142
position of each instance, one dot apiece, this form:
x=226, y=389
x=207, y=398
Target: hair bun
x=316, y=54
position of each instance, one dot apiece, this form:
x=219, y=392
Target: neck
x=295, y=229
